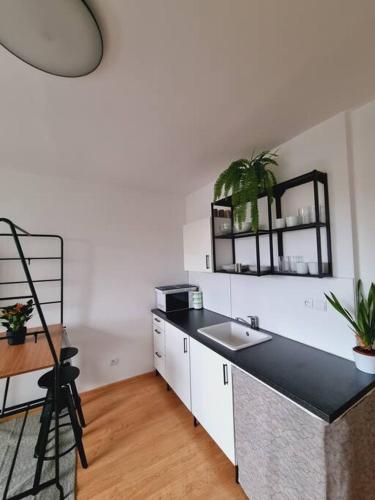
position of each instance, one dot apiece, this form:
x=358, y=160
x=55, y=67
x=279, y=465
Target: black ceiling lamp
x=60, y=37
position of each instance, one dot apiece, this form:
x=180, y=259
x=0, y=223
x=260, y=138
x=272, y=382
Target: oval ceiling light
x=60, y=37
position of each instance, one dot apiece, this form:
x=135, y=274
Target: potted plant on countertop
x=14, y=319
x=245, y=179
x=363, y=326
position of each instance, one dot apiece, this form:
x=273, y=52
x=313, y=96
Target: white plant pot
x=364, y=362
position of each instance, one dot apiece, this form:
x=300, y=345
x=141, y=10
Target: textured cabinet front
x=284, y=453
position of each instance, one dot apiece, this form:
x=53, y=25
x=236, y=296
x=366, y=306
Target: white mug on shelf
x=313, y=268
x=280, y=223
x=302, y=268
x=292, y=220
x=294, y=261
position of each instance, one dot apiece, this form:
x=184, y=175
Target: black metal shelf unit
x=316, y=178
x=17, y=233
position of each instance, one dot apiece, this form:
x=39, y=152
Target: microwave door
x=177, y=301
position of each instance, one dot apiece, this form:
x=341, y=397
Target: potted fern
x=245, y=179
x=362, y=324
x=14, y=318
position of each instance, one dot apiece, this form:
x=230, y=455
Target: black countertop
x=324, y=384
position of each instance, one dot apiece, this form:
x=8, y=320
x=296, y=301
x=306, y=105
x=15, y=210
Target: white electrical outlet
x=114, y=362
x=309, y=303
x=320, y=304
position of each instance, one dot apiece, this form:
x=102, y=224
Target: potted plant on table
x=245, y=179
x=14, y=319
x=363, y=326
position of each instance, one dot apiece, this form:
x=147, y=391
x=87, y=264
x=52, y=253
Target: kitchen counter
x=322, y=383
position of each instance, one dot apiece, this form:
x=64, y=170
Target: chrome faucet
x=253, y=323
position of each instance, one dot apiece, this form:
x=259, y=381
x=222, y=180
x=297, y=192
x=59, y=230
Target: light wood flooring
x=141, y=444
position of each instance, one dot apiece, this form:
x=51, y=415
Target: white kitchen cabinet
x=198, y=246
x=211, y=395
x=177, y=362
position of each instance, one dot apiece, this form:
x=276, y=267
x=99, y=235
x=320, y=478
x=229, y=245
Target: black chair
x=66, y=354
x=67, y=375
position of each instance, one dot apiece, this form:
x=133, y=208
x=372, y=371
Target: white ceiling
x=185, y=86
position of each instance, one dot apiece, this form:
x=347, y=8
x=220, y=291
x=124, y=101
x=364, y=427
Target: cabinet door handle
x=207, y=261
x=157, y=320
x=225, y=374
x=157, y=331
x=157, y=354
x=185, y=345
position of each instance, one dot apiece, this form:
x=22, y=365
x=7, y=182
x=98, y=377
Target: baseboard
x=113, y=385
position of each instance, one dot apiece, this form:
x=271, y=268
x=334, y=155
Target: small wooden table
x=30, y=356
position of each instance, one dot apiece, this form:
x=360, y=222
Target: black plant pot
x=17, y=337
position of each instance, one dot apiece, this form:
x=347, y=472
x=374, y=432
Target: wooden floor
x=141, y=444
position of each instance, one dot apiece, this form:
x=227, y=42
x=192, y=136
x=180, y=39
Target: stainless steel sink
x=234, y=336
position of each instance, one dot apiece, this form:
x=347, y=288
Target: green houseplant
x=245, y=179
x=362, y=323
x=14, y=318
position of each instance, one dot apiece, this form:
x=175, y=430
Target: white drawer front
x=159, y=362
x=158, y=322
x=159, y=340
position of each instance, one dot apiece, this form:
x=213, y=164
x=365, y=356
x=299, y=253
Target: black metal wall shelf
x=265, y=232
x=279, y=273
x=245, y=273
x=244, y=234
x=316, y=178
x=299, y=227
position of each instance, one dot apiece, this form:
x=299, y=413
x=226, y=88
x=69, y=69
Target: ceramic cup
x=294, y=260
x=197, y=300
x=280, y=223
x=302, y=268
x=313, y=268
x=292, y=220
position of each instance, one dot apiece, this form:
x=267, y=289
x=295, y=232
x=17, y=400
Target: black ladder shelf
x=17, y=233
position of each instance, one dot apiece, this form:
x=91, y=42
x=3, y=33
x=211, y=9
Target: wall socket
x=320, y=305
x=114, y=362
x=317, y=304
x=309, y=303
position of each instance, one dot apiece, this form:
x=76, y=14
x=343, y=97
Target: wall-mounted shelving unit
x=319, y=183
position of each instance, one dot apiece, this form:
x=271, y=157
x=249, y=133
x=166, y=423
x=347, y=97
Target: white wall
x=280, y=301
x=362, y=128
x=119, y=244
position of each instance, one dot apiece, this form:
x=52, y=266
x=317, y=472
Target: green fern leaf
x=245, y=180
